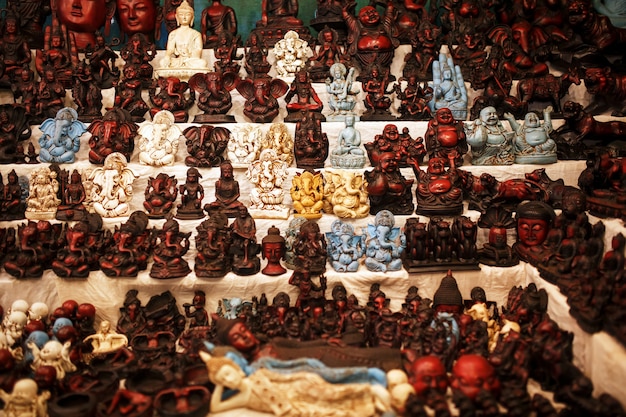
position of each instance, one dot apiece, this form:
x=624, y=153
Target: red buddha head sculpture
x=473, y=373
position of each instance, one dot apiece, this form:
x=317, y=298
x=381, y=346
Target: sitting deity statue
x=307, y=98
x=448, y=88
x=445, y=136
x=73, y=196
x=73, y=260
x=489, y=141
x=307, y=194
x=226, y=193
x=191, y=195
x=291, y=53
x=439, y=190
x=345, y=249
x=42, y=201
x=128, y=94
x=244, y=145
x=261, y=94
x=169, y=252
x=160, y=195
x=183, y=55
x=348, y=196
x=387, y=188
x=158, y=141
x=385, y=244
x=267, y=174
x=112, y=186
x=244, y=246
x=376, y=102
x=138, y=52
x=131, y=249
x=401, y=144
x=106, y=340
x=114, y=132
x=213, y=258
x=11, y=205
x=310, y=249
x=173, y=95
x=206, y=145
x=60, y=139
x=414, y=99
x=342, y=95
x=25, y=400
x=226, y=58
x=328, y=52
x=348, y=153
x=31, y=257
x=532, y=142
x=279, y=139
x=213, y=89
x=310, y=143
x=256, y=56
x=217, y=19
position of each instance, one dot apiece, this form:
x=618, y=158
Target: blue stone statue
x=345, y=249
x=385, y=245
x=60, y=139
x=448, y=88
x=532, y=142
x=348, y=154
x=342, y=98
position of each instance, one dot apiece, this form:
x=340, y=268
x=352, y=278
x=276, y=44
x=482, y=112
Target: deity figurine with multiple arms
x=206, y=145
x=449, y=88
x=291, y=54
x=138, y=52
x=183, y=55
x=385, y=244
x=213, y=259
x=60, y=139
x=342, y=96
x=307, y=98
x=533, y=144
x=72, y=260
x=112, y=186
x=158, y=141
x=42, y=201
x=213, y=89
x=114, y=132
x=11, y=205
x=345, y=194
x=261, y=96
x=128, y=93
x=278, y=16
x=161, y=193
x=267, y=174
x=310, y=144
x=191, y=195
x=490, y=143
x=86, y=93
x=345, y=249
x=310, y=249
x=278, y=138
x=307, y=194
x=169, y=252
x=173, y=96
x=348, y=153
x=131, y=250
x=244, y=145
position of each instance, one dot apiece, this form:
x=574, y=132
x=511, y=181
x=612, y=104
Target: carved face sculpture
x=241, y=338
x=136, y=16
x=489, y=116
x=428, y=373
x=444, y=116
x=273, y=251
x=532, y=232
x=388, y=162
x=391, y=132
x=531, y=120
x=369, y=16
x=82, y=15
x=473, y=373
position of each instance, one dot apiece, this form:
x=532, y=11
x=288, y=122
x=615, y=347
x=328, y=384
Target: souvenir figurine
x=191, y=195
x=310, y=249
x=307, y=98
x=183, y=54
x=470, y=53
x=217, y=19
x=601, y=182
x=244, y=145
x=14, y=47
x=160, y=194
x=168, y=253
x=213, y=258
x=60, y=139
x=226, y=58
x=42, y=201
x=83, y=26
x=307, y=194
x=605, y=83
x=425, y=45
x=376, y=102
x=261, y=94
x=291, y=53
x=401, y=144
x=547, y=88
x=473, y=373
x=102, y=62
x=439, y=190
x=114, y=132
x=73, y=260
x=14, y=129
x=206, y=145
x=198, y=316
x=363, y=399
x=256, y=56
x=279, y=139
x=345, y=249
x=310, y=143
x=213, y=89
x=138, y=52
x=25, y=400
x=346, y=194
x=516, y=61
x=490, y=143
x=348, y=153
x=273, y=248
x=137, y=17
x=533, y=144
x=594, y=29
x=130, y=251
x=327, y=53
x=86, y=93
x=293, y=229
x=50, y=95
x=371, y=38
x=267, y=175
x=448, y=88
x=387, y=188
x=276, y=17
x=173, y=96
x=385, y=244
x=496, y=251
x=158, y=141
x=428, y=374
x=25, y=88
x=59, y=53
x=11, y=205
x=226, y=193
x=244, y=246
x=53, y=354
x=413, y=99
x=113, y=186
x=35, y=250
x=340, y=89
x=444, y=136
x=534, y=221
x=128, y=94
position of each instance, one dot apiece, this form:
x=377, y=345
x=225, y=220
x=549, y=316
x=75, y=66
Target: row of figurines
x=158, y=141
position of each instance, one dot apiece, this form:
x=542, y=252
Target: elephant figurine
x=385, y=244
x=60, y=139
x=261, y=97
x=345, y=249
x=114, y=132
x=213, y=89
